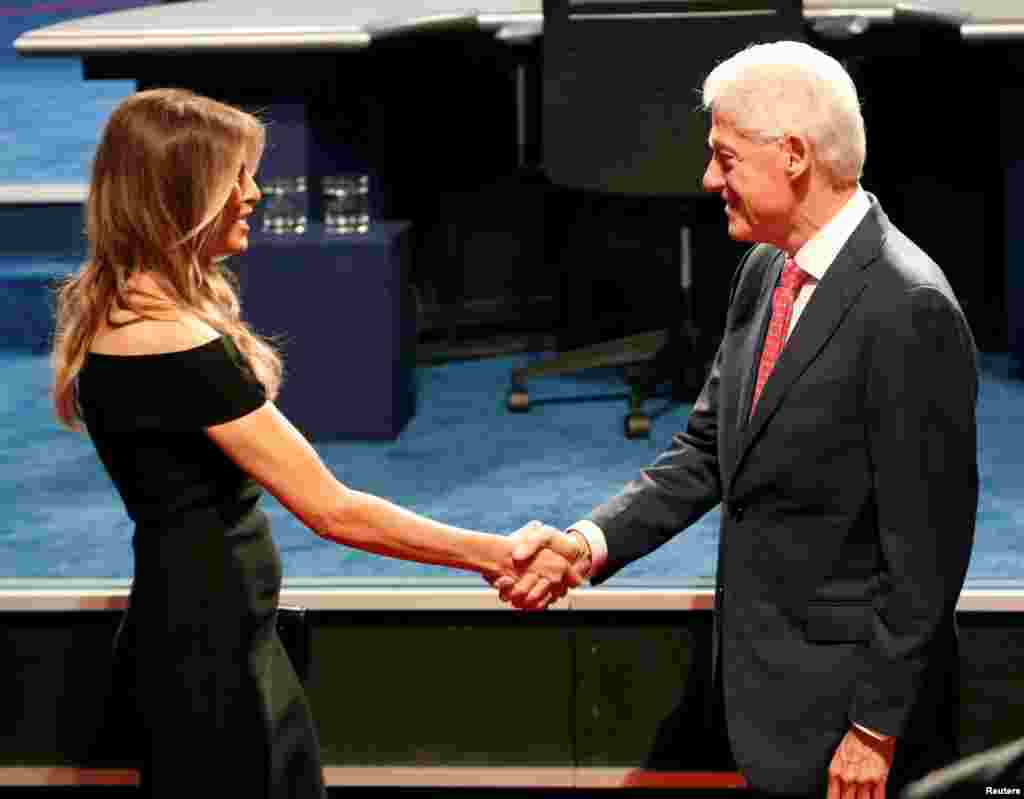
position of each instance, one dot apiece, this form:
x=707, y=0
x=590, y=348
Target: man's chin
x=739, y=232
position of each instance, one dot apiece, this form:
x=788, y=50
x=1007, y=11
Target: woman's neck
x=147, y=297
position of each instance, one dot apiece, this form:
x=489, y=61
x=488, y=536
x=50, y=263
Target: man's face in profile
x=751, y=178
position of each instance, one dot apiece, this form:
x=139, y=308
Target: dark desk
x=342, y=309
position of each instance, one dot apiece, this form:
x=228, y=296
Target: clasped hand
x=541, y=564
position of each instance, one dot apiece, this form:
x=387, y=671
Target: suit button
x=737, y=512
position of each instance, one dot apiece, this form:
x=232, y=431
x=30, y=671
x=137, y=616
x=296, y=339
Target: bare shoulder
x=138, y=336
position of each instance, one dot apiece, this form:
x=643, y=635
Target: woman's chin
x=238, y=243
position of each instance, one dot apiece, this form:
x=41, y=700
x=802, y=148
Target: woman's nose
x=250, y=188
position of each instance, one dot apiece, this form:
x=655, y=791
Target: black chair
x=621, y=119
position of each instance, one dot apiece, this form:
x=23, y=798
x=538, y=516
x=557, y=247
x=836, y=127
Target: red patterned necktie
x=793, y=279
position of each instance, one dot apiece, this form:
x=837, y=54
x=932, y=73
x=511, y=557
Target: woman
x=176, y=392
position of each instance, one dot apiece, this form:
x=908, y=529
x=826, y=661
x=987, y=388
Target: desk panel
x=340, y=307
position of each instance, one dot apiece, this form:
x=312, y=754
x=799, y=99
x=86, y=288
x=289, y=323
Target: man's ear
x=797, y=151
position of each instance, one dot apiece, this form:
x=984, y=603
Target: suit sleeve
x=920, y=399
x=682, y=484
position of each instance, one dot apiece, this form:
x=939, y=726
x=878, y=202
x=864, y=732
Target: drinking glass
x=347, y=203
x=284, y=205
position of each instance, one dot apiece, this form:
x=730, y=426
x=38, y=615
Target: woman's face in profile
x=233, y=237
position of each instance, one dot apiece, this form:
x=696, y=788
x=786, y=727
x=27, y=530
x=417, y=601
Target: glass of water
x=347, y=203
x=285, y=205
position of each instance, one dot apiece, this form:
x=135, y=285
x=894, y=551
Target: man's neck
x=817, y=210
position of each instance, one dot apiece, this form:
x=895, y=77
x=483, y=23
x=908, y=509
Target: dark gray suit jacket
x=849, y=502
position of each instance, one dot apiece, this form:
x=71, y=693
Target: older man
x=837, y=429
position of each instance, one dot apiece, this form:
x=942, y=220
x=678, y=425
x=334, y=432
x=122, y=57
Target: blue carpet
x=463, y=459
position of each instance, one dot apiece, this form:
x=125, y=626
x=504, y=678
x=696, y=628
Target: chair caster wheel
x=518, y=400
x=638, y=426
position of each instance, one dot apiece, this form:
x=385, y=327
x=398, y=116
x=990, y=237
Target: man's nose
x=712, y=180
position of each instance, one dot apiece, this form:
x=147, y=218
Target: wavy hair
x=769, y=90
x=166, y=165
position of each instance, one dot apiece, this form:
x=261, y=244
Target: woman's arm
x=269, y=448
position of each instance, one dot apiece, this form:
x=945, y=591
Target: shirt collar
x=821, y=250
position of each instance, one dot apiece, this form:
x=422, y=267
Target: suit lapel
x=840, y=287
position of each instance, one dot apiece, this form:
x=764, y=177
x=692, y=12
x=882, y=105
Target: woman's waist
x=224, y=552
x=228, y=505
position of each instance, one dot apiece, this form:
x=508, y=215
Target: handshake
x=541, y=564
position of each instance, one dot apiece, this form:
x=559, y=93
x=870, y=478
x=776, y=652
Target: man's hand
x=542, y=567
x=860, y=766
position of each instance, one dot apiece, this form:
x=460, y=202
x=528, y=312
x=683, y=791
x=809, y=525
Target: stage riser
x=441, y=692
x=42, y=242
x=42, y=228
x=26, y=307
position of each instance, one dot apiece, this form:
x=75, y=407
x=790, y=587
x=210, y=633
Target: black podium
x=340, y=309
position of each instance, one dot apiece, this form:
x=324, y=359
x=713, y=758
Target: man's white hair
x=769, y=90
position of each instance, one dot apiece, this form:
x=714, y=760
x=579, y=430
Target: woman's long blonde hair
x=166, y=165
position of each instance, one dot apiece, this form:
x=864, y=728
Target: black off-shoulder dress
x=209, y=699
